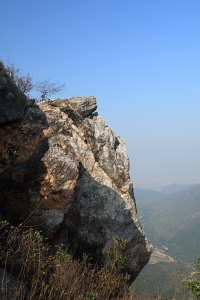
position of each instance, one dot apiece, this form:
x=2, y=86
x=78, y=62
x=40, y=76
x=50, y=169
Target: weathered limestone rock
x=85, y=106
x=12, y=101
x=71, y=171
x=103, y=205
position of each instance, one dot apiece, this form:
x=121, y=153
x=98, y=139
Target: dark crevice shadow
x=20, y=160
x=97, y=215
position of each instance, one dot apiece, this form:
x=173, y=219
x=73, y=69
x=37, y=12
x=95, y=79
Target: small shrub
x=72, y=114
x=47, y=88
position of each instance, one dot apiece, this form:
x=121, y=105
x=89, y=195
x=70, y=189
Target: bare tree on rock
x=47, y=88
x=24, y=83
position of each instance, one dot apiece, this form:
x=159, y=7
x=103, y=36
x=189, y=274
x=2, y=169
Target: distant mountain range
x=145, y=195
x=158, y=192
x=173, y=188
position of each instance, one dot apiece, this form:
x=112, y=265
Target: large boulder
x=70, y=175
x=12, y=100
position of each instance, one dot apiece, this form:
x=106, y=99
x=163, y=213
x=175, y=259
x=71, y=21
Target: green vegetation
x=72, y=114
x=192, y=283
x=51, y=272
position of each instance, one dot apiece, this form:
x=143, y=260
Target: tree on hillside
x=47, y=88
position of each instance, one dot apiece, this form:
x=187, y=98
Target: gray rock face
x=103, y=205
x=74, y=172
x=12, y=101
x=49, y=219
x=11, y=288
x=85, y=106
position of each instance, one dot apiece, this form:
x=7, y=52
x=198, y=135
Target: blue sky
x=139, y=58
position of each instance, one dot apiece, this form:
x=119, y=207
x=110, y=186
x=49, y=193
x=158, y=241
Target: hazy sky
x=139, y=58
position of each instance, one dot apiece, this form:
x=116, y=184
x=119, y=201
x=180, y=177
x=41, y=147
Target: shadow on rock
x=28, y=188
x=97, y=215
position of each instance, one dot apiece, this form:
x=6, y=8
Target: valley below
x=171, y=222
x=158, y=256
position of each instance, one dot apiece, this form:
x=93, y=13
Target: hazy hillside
x=174, y=187
x=172, y=223
x=146, y=195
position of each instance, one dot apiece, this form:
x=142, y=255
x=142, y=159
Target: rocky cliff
x=63, y=169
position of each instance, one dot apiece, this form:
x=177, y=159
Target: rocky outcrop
x=63, y=168
x=84, y=105
x=12, y=101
